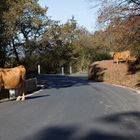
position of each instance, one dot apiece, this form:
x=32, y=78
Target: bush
x=101, y=55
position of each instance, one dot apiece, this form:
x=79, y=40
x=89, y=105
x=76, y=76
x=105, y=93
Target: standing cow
x=121, y=56
x=11, y=78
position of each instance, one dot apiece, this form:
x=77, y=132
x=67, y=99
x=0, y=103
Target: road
x=72, y=108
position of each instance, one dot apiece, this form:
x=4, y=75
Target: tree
x=110, y=9
x=122, y=20
x=24, y=21
x=3, y=35
x=56, y=46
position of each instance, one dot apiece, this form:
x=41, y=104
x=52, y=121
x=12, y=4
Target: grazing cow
x=11, y=78
x=121, y=56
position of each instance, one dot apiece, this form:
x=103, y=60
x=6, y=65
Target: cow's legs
x=127, y=61
x=21, y=93
x=117, y=61
x=23, y=97
x=18, y=98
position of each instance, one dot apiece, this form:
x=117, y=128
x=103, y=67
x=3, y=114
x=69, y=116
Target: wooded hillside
x=29, y=37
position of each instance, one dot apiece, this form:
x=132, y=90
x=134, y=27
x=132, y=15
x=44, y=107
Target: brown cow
x=121, y=56
x=11, y=78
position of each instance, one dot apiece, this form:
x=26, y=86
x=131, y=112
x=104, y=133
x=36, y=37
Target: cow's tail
x=22, y=75
x=23, y=72
x=22, y=80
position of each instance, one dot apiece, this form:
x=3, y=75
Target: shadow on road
x=36, y=97
x=67, y=133
x=58, y=81
x=129, y=122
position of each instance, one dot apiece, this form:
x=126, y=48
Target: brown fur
x=11, y=78
x=121, y=56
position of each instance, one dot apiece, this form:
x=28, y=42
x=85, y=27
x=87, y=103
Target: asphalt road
x=72, y=108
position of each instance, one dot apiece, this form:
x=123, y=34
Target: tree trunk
x=15, y=52
x=2, y=57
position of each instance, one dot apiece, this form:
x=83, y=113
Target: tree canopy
x=121, y=20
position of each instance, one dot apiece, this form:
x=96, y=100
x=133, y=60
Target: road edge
x=121, y=86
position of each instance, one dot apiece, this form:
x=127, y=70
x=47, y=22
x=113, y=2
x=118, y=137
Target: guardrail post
x=38, y=68
x=70, y=70
x=62, y=70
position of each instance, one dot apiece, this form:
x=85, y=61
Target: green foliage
x=23, y=23
x=102, y=55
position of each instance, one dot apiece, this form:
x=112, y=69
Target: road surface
x=72, y=108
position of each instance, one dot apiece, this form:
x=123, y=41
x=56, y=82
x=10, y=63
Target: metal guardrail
x=30, y=85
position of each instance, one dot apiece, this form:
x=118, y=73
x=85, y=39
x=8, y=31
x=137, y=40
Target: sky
x=62, y=10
